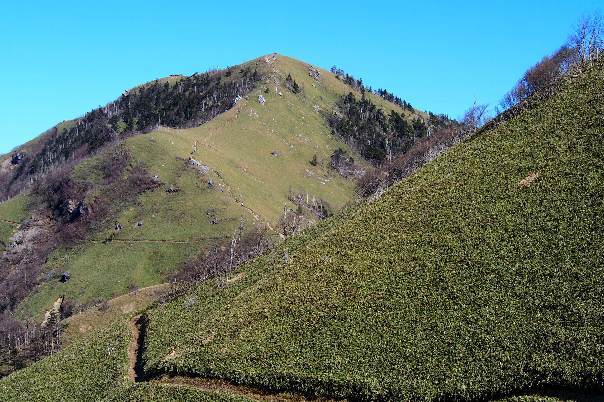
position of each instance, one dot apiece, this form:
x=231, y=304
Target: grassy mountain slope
x=481, y=274
x=257, y=154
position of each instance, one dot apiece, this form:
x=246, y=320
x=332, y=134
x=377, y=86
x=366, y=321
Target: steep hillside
x=480, y=276
x=251, y=159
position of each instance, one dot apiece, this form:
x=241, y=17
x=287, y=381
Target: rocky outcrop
x=200, y=167
x=53, y=315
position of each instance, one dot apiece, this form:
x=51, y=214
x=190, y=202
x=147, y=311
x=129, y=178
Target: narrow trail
x=106, y=241
x=134, y=352
x=159, y=241
x=221, y=386
x=136, y=373
x=13, y=223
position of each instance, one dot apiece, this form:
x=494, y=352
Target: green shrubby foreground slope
x=479, y=276
x=95, y=368
x=90, y=369
x=169, y=393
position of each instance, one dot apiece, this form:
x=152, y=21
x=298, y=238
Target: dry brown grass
x=528, y=180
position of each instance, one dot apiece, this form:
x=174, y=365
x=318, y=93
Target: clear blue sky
x=61, y=58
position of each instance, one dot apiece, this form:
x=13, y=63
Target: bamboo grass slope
x=480, y=275
x=91, y=369
x=95, y=368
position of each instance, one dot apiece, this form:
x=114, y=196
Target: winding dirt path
x=159, y=241
x=134, y=350
x=221, y=386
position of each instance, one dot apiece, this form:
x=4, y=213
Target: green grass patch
x=12, y=212
x=103, y=271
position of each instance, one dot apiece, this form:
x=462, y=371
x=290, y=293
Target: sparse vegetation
x=223, y=257
x=584, y=46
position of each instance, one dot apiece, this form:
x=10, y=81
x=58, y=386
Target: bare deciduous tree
x=583, y=46
x=587, y=38
x=474, y=118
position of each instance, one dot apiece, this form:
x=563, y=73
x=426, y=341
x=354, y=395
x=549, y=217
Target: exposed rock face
x=75, y=209
x=54, y=314
x=270, y=58
x=200, y=167
x=11, y=163
x=21, y=262
x=313, y=72
x=24, y=240
x=17, y=158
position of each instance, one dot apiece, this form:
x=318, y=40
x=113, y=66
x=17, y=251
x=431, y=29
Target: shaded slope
x=480, y=275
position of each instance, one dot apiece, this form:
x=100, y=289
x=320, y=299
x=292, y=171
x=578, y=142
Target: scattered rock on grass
x=65, y=277
x=200, y=167
x=313, y=72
